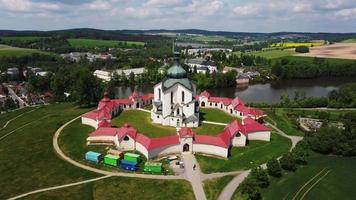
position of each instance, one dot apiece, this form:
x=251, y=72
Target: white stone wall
x=90, y=122
x=101, y=139
x=140, y=148
x=239, y=141
x=127, y=145
x=211, y=149
x=165, y=150
x=261, y=135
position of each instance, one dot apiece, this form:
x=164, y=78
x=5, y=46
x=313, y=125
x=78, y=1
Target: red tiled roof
x=91, y=115
x=210, y=140
x=226, y=101
x=104, y=123
x=104, y=131
x=126, y=129
x=148, y=96
x=184, y=131
x=152, y=143
x=123, y=101
x=205, y=94
x=252, y=126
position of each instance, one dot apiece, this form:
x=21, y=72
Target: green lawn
x=255, y=153
x=213, y=187
x=353, y=40
x=27, y=160
x=338, y=184
x=12, y=114
x=208, y=129
x=142, y=122
x=273, y=54
x=215, y=115
x=7, y=51
x=82, y=42
x=123, y=188
x=284, y=123
x=297, y=44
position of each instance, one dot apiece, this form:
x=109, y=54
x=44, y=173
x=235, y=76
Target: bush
x=261, y=177
x=250, y=188
x=274, y=168
x=302, y=49
x=288, y=162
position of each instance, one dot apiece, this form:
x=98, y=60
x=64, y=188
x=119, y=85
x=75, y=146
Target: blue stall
x=129, y=165
x=93, y=156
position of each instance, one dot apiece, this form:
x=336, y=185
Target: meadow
x=214, y=187
x=274, y=54
x=297, y=44
x=8, y=51
x=353, y=40
x=83, y=42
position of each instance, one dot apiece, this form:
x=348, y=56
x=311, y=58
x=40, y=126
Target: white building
x=174, y=103
x=104, y=75
x=201, y=65
x=127, y=72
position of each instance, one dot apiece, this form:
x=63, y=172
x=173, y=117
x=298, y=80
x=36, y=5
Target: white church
x=174, y=102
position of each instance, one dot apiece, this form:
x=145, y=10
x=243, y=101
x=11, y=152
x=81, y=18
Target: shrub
x=302, y=49
x=288, y=162
x=250, y=188
x=261, y=177
x=274, y=168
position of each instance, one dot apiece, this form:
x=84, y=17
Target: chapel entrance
x=185, y=147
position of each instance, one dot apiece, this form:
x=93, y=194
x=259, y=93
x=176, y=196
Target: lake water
x=268, y=93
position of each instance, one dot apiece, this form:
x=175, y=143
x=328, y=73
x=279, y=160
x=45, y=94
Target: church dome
x=176, y=71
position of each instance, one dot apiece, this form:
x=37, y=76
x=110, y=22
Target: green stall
x=132, y=157
x=112, y=160
x=152, y=167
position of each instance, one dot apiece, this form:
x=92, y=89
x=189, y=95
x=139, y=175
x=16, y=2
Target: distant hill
x=143, y=35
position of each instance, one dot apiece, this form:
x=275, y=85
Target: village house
x=201, y=65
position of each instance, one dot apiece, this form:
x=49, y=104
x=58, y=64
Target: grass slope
x=27, y=160
x=215, y=115
x=12, y=114
x=214, y=187
x=284, y=123
x=338, y=184
x=124, y=189
x=7, y=51
x=255, y=153
x=82, y=42
x=273, y=54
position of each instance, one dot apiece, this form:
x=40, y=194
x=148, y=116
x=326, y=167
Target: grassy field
x=142, y=122
x=297, y=44
x=350, y=40
x=273, y=54
x=208, y=129
x=27, y=160
x=215, y=115
x=82, y=42
x=310, y=59
x=284, y=123
x=339, y=183
x=21, y=38
x=12, y=114
x=213, y=187
x=124, y=189
x=255, y=153
x=6, y=51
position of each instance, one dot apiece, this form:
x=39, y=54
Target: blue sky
x=226, y=15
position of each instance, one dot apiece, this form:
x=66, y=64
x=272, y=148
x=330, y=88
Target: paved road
x=15, y=97
x=218, y=175
x=59, y=187
x=230, y=188
x=194, y=176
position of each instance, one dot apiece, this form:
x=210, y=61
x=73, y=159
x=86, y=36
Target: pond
x=268, y=92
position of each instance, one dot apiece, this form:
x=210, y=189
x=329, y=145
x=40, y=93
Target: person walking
x=194, y=166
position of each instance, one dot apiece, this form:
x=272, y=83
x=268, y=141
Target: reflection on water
x=268, y=93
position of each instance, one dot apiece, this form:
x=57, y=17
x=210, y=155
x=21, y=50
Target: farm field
x=350, y=40
x=213, y=187
x=297, y=44
x=123, y=188
x=15, y=51
x=254, y=154
x=82, y=42
x=335, y=180
x=338, y=50
x=273, y=54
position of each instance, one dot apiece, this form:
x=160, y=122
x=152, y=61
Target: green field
x=297, y=44
x=254, y=154
x=339, y=183
x=7, y=51
x=81, y=42
x=27, y=160
x=124, y=189
x=311, y=59
x=350, y=40
x=208, y=129
x=215, y=115
x=284, y=123
x=273, y=54
x=213, y=187
x=22, y=38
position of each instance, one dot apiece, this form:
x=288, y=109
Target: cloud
x=347, y=13
x=99, y=5
x=28, y=6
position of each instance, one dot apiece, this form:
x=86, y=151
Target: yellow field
x=298, y=44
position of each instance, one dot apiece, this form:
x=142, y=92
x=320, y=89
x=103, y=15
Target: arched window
x=182, y=96
x=126, y=138
x=171, y=97
x=178, y=111
x=159, y=94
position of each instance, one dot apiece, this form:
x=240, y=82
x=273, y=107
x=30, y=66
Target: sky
x=218, y=15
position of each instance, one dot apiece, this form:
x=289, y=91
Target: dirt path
x=12, y=119
x=230, y=188
x=59, y=187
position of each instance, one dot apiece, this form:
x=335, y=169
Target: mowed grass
x=8, y=51
x=4, y=117
x=208, y=129
x=215, y=115
x=213, y=187
x=28, y=161
x=142, y=122
x=273, y=54
x=279, y=116
x=339, y=183
x=82, y=42
x=254, y=154
x=123, y=188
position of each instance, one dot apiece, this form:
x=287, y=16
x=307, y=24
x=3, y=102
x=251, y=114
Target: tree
x=261, y=177
x=288, y=162
x=250, y=187
x=274, y=168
